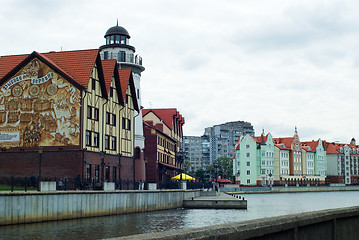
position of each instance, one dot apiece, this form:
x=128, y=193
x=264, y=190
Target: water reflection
x=259, y=206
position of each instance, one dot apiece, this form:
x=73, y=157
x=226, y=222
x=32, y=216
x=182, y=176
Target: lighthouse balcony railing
x=122, y=57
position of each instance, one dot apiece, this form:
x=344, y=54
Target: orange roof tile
x=78, y=65
x=282, y=146
x=165, y=114
x=108, y=67
x=261, y=138
x=287, y=141
x=7, y=63
x=124, y=80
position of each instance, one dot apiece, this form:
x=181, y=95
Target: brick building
x=163, y=143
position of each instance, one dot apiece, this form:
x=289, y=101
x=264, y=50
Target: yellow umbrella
x=184, y=177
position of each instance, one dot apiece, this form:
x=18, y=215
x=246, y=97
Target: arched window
x=137, y=153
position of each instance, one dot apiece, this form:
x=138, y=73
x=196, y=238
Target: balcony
x=122, y=56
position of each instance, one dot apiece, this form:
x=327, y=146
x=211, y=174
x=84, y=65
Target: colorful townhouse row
x=265, y=160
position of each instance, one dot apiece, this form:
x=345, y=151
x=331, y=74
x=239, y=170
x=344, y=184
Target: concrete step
x=220, y=201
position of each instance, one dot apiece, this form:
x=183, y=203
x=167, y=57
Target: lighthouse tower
x=117, y=47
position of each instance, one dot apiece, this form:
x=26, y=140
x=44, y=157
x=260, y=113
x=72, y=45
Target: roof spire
x=117, y=22
x=262, y=131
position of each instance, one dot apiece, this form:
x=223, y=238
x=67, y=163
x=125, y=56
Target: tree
x=223, y=167
x=186, y=166
x=201, y=174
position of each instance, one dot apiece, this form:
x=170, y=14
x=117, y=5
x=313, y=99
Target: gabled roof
x=76, y=65
x=126, y=80
x=108, y=67
x=334, y=148
x=282, y=146
x=7, y=63
x=308, y=148
x=287, y=141
x=261, y=139
x=167, y=115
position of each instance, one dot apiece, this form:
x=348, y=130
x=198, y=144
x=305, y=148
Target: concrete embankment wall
x=333, y=224
x=290, y=189
x=29, y=207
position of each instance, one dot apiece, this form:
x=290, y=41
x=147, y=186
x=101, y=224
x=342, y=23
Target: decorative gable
x=38, y=106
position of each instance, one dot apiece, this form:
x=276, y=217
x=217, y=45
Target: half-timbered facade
x=66, y=114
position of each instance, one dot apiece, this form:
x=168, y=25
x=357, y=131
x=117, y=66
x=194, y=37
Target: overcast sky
x=275, y=64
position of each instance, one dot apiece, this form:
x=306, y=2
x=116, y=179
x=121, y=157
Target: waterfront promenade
x=259, y=206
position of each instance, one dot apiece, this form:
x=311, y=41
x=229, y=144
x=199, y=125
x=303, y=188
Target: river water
x=259, y=206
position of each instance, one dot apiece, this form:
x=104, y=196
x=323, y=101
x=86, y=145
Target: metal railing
x=123, y=57
x=67, y=184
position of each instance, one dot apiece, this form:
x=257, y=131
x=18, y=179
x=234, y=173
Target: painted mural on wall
x=39, y=107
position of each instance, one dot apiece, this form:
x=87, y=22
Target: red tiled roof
x=306, y=148
x=287, y=141
x=165, y=114
x=334, y=148
x=79, y=64
x=76, y=64
x=124, y=80
x=7, y=63
x=108, y=67
x=282, y=146
x=261, y=138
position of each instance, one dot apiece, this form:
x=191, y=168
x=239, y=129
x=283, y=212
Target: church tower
x=117, y=47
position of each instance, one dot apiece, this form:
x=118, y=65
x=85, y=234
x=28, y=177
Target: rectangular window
x=88, y=171
x=247, y=146
x=113, y=143
x=248, y=181
x=113, y=120
x=248, y=172
x=95, y=139
x=93, y=83
x=123, y=123
x=97, y=173
x=108, y=118
x=138, y=93
x=128, y=124
x=88, y=138
x=248, y=164
x=114, y=171
x=95, y=114
x=89, y=112
x=248, y=154
x=111, y=91
x=107, y=142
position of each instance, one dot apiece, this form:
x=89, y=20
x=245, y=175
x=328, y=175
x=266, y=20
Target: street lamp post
x=40, y=151
x=270, y=179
